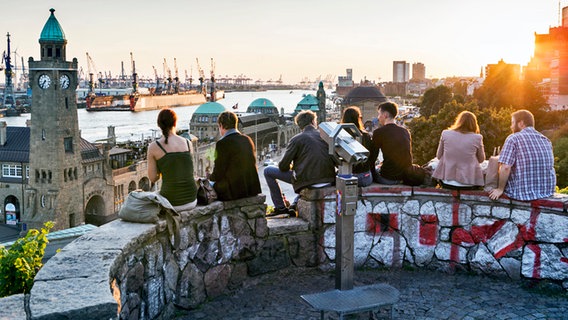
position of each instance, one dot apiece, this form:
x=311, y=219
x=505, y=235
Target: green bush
x=20, y=264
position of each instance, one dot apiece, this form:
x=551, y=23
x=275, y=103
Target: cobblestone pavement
x=423, y=295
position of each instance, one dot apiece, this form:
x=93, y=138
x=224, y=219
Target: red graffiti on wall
x=381, y=222
x=428, y=231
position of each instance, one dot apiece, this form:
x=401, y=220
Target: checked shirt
x=529, y=153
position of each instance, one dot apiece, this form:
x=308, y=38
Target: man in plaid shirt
x=526, y=161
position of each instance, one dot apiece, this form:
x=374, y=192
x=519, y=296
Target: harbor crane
x=134, y=74
x=8, y=98
x=92, y=69
x=158, y=89
x=202, y=87
x=213, y=95
x=176, y=77
x=169, y=78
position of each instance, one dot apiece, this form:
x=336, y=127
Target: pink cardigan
x=460, y=155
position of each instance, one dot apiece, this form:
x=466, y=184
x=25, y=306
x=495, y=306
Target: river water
x=140, y=125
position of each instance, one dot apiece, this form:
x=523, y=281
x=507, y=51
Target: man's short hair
x=228, y=120
x=390, y=107
x=305, y=118
x=525, y=116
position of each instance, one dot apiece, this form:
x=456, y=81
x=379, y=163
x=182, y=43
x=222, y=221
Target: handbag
x=205, y=192
x=147, y=207
x=492, y=172
x=143, y=206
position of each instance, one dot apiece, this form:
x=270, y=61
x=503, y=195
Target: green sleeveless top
x=178, y=183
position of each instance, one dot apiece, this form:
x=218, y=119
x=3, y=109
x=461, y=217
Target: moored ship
x=153, y=98
x=142, y=102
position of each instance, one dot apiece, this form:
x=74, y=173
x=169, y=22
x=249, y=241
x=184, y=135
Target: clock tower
x=55, y=172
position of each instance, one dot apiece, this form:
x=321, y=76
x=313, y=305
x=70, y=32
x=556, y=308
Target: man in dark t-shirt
x=394, y=142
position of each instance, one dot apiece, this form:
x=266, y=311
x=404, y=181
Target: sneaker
x=293, y=210
x=279, y=213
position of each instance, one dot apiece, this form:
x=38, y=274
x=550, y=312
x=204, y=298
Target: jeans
x=271, y=174
x=364, y=179
x=382, y=180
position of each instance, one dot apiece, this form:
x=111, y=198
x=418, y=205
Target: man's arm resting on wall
x=504, y=172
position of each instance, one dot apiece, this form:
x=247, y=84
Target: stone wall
x=132, y=271
x=448, y=230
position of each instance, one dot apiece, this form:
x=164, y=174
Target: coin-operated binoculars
x=347, y=151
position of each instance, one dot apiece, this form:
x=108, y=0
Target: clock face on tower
x=44, y=81
x=64, y=81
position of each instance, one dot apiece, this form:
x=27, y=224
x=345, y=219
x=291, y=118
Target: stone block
x=271, y=257
x=411, y=207
x=73, y=298
x=544, y=261
x=13, y=307
x=286, y=226
x=217, y=279
x=191, y=288
x=551, y=228
x=303, y=250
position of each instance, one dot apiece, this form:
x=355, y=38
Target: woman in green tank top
x=171, y=159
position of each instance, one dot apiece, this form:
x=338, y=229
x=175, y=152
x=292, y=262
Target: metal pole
x=344, y=227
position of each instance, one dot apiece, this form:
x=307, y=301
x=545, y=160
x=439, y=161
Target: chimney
x=3, y=134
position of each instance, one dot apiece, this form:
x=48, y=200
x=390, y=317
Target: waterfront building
x=49, y=172
x=367, y=98
x=314, y=103
x=548, y=68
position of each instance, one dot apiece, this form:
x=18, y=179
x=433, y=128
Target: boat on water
x=143, y=99
x=142, y=102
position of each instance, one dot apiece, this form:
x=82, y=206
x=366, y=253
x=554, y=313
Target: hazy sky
x=293, y=38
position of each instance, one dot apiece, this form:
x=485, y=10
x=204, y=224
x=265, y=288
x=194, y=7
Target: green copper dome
x=210, y=108
x=261, y=103
x=310, y=102
x=52, y=30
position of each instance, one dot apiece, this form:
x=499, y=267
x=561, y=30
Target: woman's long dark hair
x=167, y=119
x=353, y=115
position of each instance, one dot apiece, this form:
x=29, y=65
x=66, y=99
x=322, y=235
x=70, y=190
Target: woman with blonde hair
x=460, y=153
x=361, y=170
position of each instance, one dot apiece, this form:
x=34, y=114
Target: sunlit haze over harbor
x=292, y=39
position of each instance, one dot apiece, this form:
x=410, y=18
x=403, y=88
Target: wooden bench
x=359, y=299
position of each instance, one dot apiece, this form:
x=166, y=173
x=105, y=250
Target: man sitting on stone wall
x=395, y=143
x=526, y=162
x=306, y=163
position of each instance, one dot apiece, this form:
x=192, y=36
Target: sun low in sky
x=294, y=38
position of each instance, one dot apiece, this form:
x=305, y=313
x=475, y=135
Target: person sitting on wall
x=235, y=174
x=306, y=163
x=526, y=162
x=361, y=170
x=395, y=143
x=171, y=158
x=460, y=152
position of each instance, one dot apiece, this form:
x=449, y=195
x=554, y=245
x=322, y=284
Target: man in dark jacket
x=235, y=173
x=306, y=163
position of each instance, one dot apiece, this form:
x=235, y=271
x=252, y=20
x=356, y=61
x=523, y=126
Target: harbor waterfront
x=140, y=125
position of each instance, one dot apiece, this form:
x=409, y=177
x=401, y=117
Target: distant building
x=313, y=103
x=367, y=98
x=504, y=70
x=418, y=72
x=400, y=71
x=49, y=172
x=345, y=83
x=548, y=68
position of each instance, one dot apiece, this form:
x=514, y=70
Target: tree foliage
x=560, y=148
x=20, y=264
x=434, y=99
x=503, y=91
